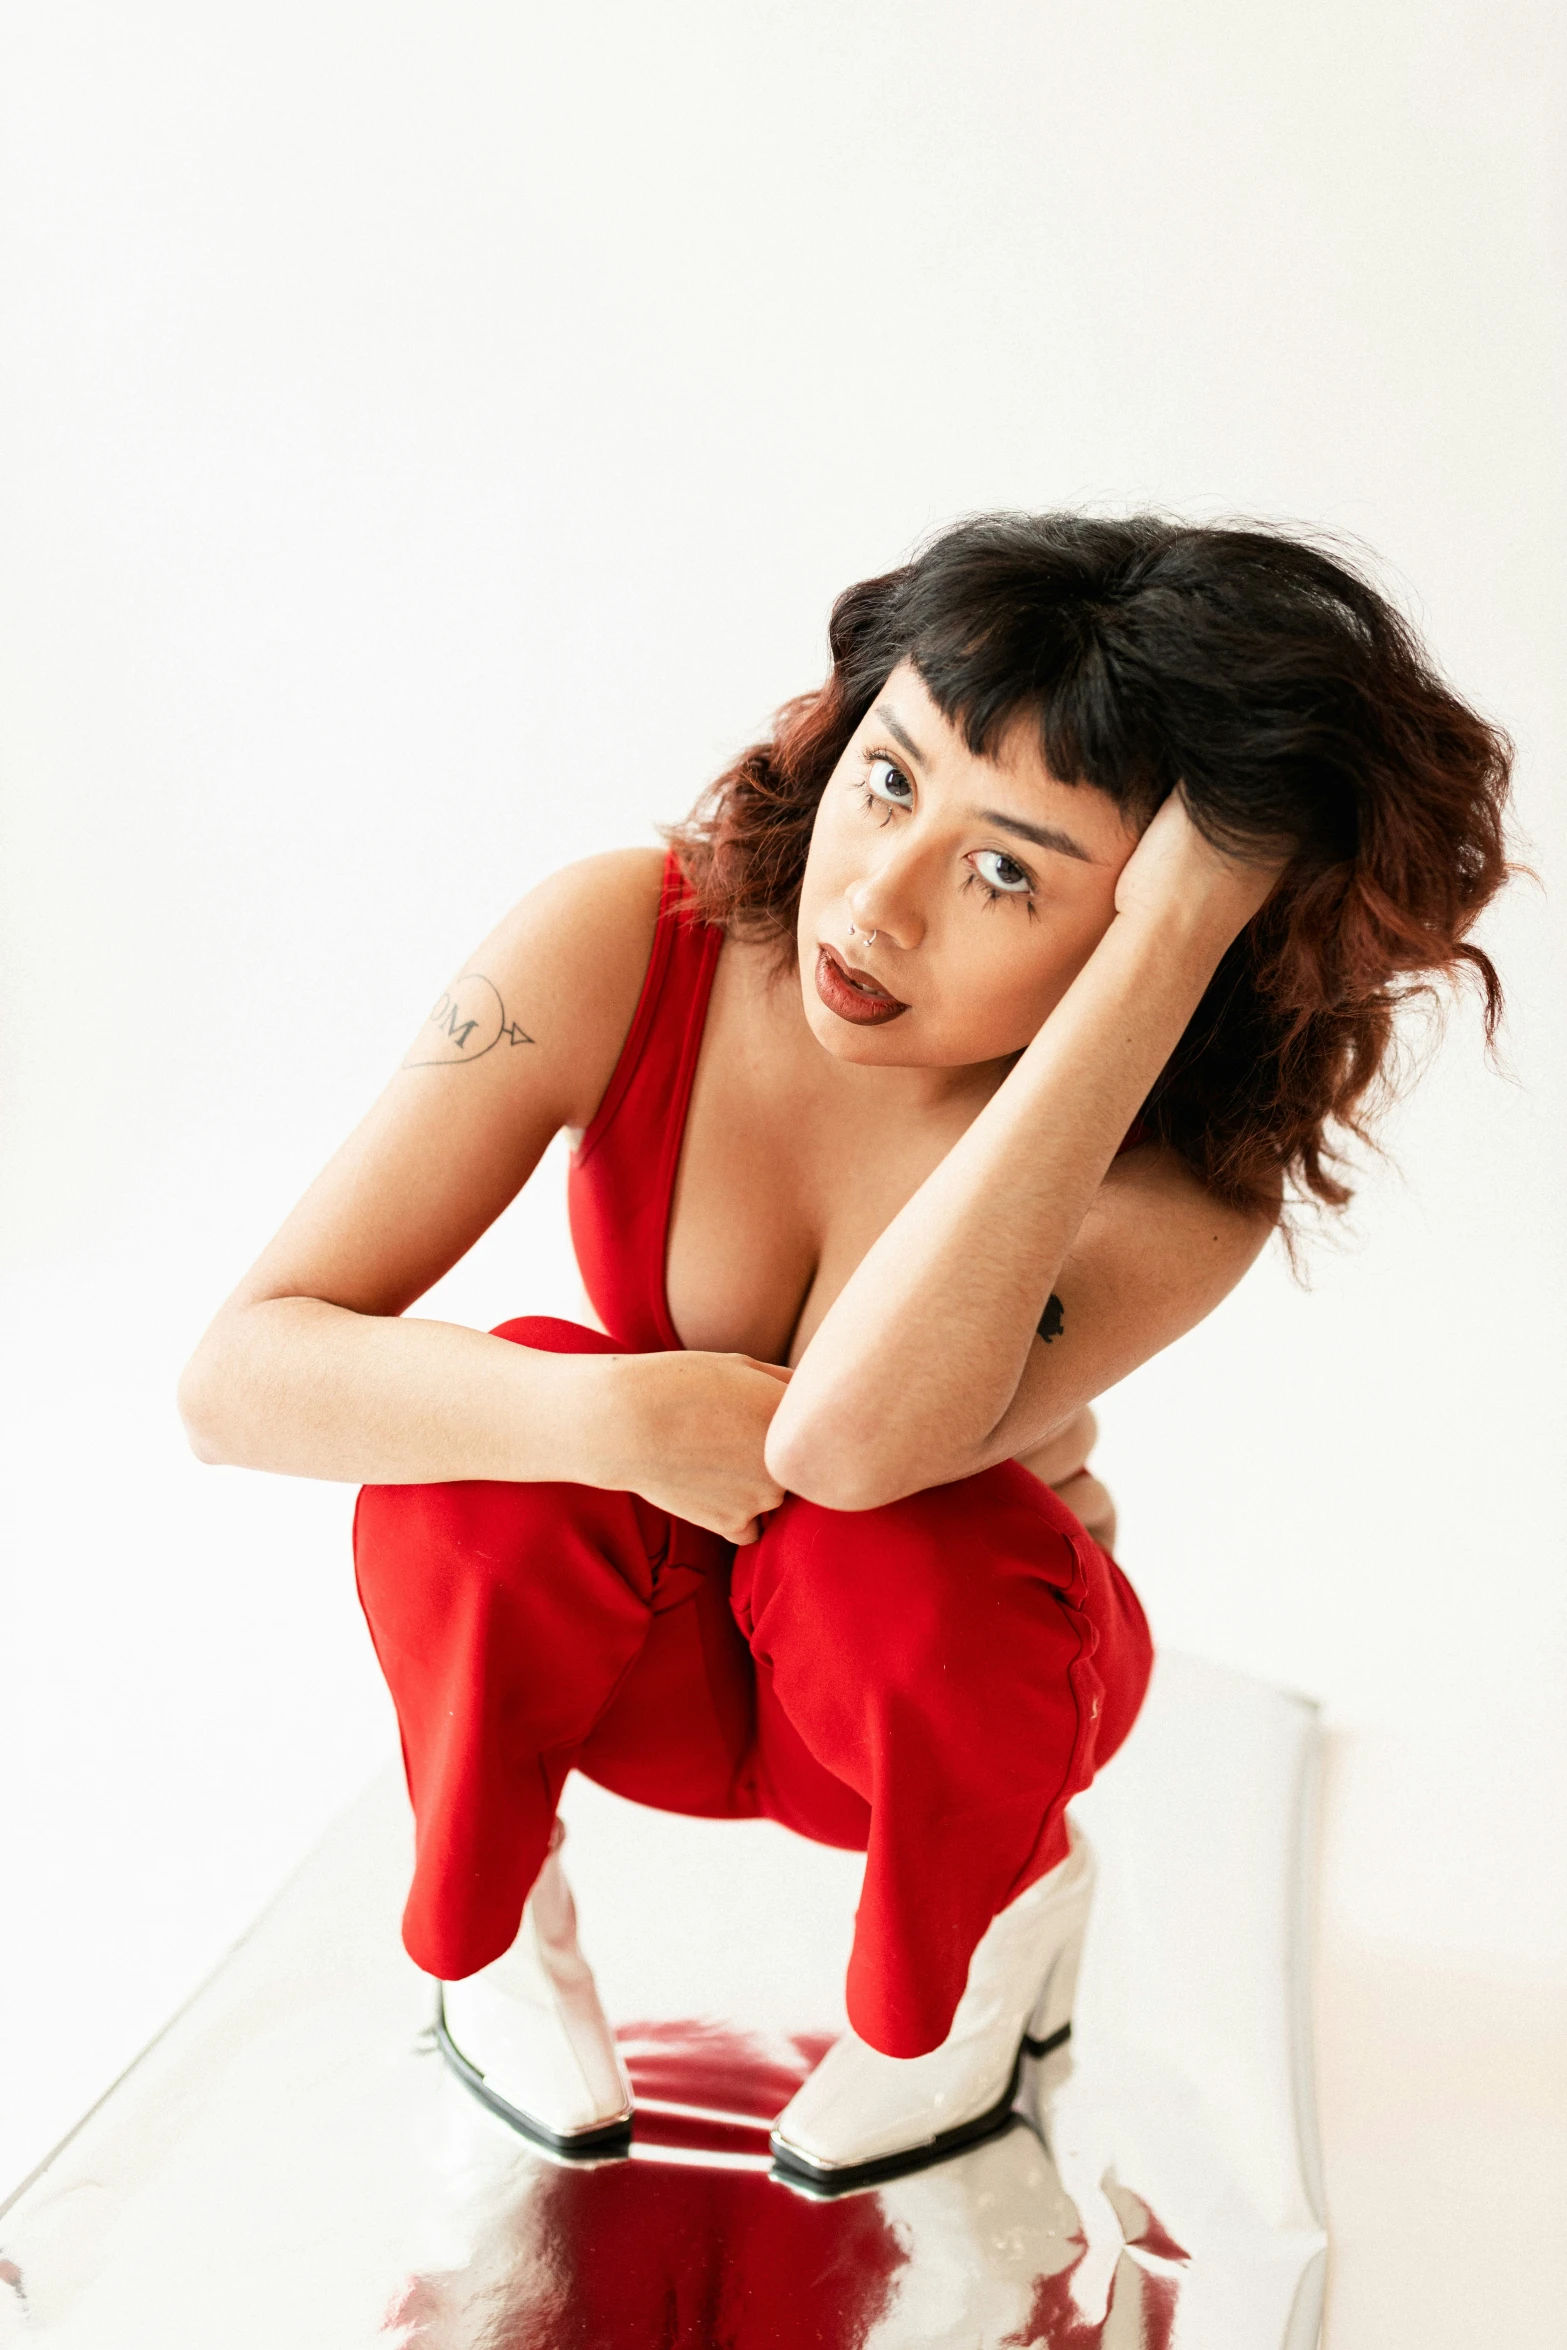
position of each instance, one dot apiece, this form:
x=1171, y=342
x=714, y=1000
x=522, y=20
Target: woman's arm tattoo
x=468, y=1021
x=1053, y=1320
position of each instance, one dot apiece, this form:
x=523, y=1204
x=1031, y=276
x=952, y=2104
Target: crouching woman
x=960, y=1054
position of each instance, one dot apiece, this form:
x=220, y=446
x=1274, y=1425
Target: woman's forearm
x=309, y=1389
x=919, y=1357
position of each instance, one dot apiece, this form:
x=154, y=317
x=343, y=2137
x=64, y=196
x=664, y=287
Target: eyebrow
x=906, y=741
x=1044, y=836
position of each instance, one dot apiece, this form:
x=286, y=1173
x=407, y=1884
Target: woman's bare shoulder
x=569, y=960
x=600, y=911
x=618, y=887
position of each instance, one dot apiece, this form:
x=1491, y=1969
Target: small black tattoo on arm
x=1053, y=1320
x=468, y=1021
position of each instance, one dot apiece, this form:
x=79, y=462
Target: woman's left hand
x=1174, y=871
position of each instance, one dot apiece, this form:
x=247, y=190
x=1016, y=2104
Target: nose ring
x=870, y=936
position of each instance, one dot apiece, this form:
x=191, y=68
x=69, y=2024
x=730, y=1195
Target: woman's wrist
x=580, y=1427
x=1189, y=937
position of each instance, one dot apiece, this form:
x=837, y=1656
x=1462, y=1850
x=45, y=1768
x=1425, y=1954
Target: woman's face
x=948, y=901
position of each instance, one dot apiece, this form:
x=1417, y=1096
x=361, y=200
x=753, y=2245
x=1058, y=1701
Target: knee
x=861, y=1594
x=425, y=1548
x=485, y=1585
x=548, y=1334
x=944, y=1587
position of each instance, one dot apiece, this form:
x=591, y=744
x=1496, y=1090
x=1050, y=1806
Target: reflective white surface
x=292, y=2161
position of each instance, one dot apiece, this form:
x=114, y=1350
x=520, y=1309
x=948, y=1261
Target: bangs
x=1077, y=725
x=1002, y=640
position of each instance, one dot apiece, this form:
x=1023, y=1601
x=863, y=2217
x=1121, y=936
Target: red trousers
x=930, y=1683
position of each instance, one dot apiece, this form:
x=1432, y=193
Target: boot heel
x=1051, y=2019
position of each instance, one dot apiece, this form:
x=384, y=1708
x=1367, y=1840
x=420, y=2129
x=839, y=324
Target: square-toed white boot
x=529, y=2037
x=863, y=2116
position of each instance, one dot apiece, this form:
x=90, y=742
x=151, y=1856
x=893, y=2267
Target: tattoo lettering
x=1053, y=1320
x=468, y=1021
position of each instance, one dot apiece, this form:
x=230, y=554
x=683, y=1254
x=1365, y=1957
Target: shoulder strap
x=622, y=1178
x=666, y=1028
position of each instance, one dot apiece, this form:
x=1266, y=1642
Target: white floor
x=292, y=2155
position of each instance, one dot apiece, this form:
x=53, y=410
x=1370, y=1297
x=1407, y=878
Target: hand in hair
x=1176, y=872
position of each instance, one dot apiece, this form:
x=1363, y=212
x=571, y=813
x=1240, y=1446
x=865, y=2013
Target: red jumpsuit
x=929, y=1683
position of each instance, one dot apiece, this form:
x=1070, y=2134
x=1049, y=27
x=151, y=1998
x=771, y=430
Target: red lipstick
x=853, y=995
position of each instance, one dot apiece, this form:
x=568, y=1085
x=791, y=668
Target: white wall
x=433, y=436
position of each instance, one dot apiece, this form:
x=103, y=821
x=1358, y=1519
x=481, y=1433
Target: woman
x=958, y=1058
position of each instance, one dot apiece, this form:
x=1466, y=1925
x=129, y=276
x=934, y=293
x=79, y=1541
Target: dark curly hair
x=1293, y=706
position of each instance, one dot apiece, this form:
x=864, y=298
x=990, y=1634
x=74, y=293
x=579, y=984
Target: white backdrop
x=432, y=439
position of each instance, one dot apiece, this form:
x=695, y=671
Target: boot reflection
x=693, y=2245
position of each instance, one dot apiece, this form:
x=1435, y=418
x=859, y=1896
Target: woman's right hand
x=1175, y=871
x=689, y=1435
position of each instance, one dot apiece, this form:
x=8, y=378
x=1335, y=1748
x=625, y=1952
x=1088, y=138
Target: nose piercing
x=870, y=936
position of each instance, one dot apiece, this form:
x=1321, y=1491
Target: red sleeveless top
x=621, y=1183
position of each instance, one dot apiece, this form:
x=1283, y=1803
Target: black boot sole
x=843, y=2178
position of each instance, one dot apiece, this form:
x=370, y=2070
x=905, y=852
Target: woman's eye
x=885, y=782
x=999, y=871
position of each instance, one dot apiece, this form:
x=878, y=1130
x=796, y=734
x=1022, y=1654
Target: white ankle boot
x=528, y=2035
x=862, y=2115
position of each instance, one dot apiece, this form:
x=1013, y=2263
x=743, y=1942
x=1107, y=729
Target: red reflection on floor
x=702, y=2134
x=680, y=2254
x=1158, y=2311
x=724, y=2070
x=1141, y=2225
x=1055, y=2321
x=1157, y=2239
x=684, y=2258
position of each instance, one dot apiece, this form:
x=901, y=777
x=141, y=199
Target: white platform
x=290, y=2162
